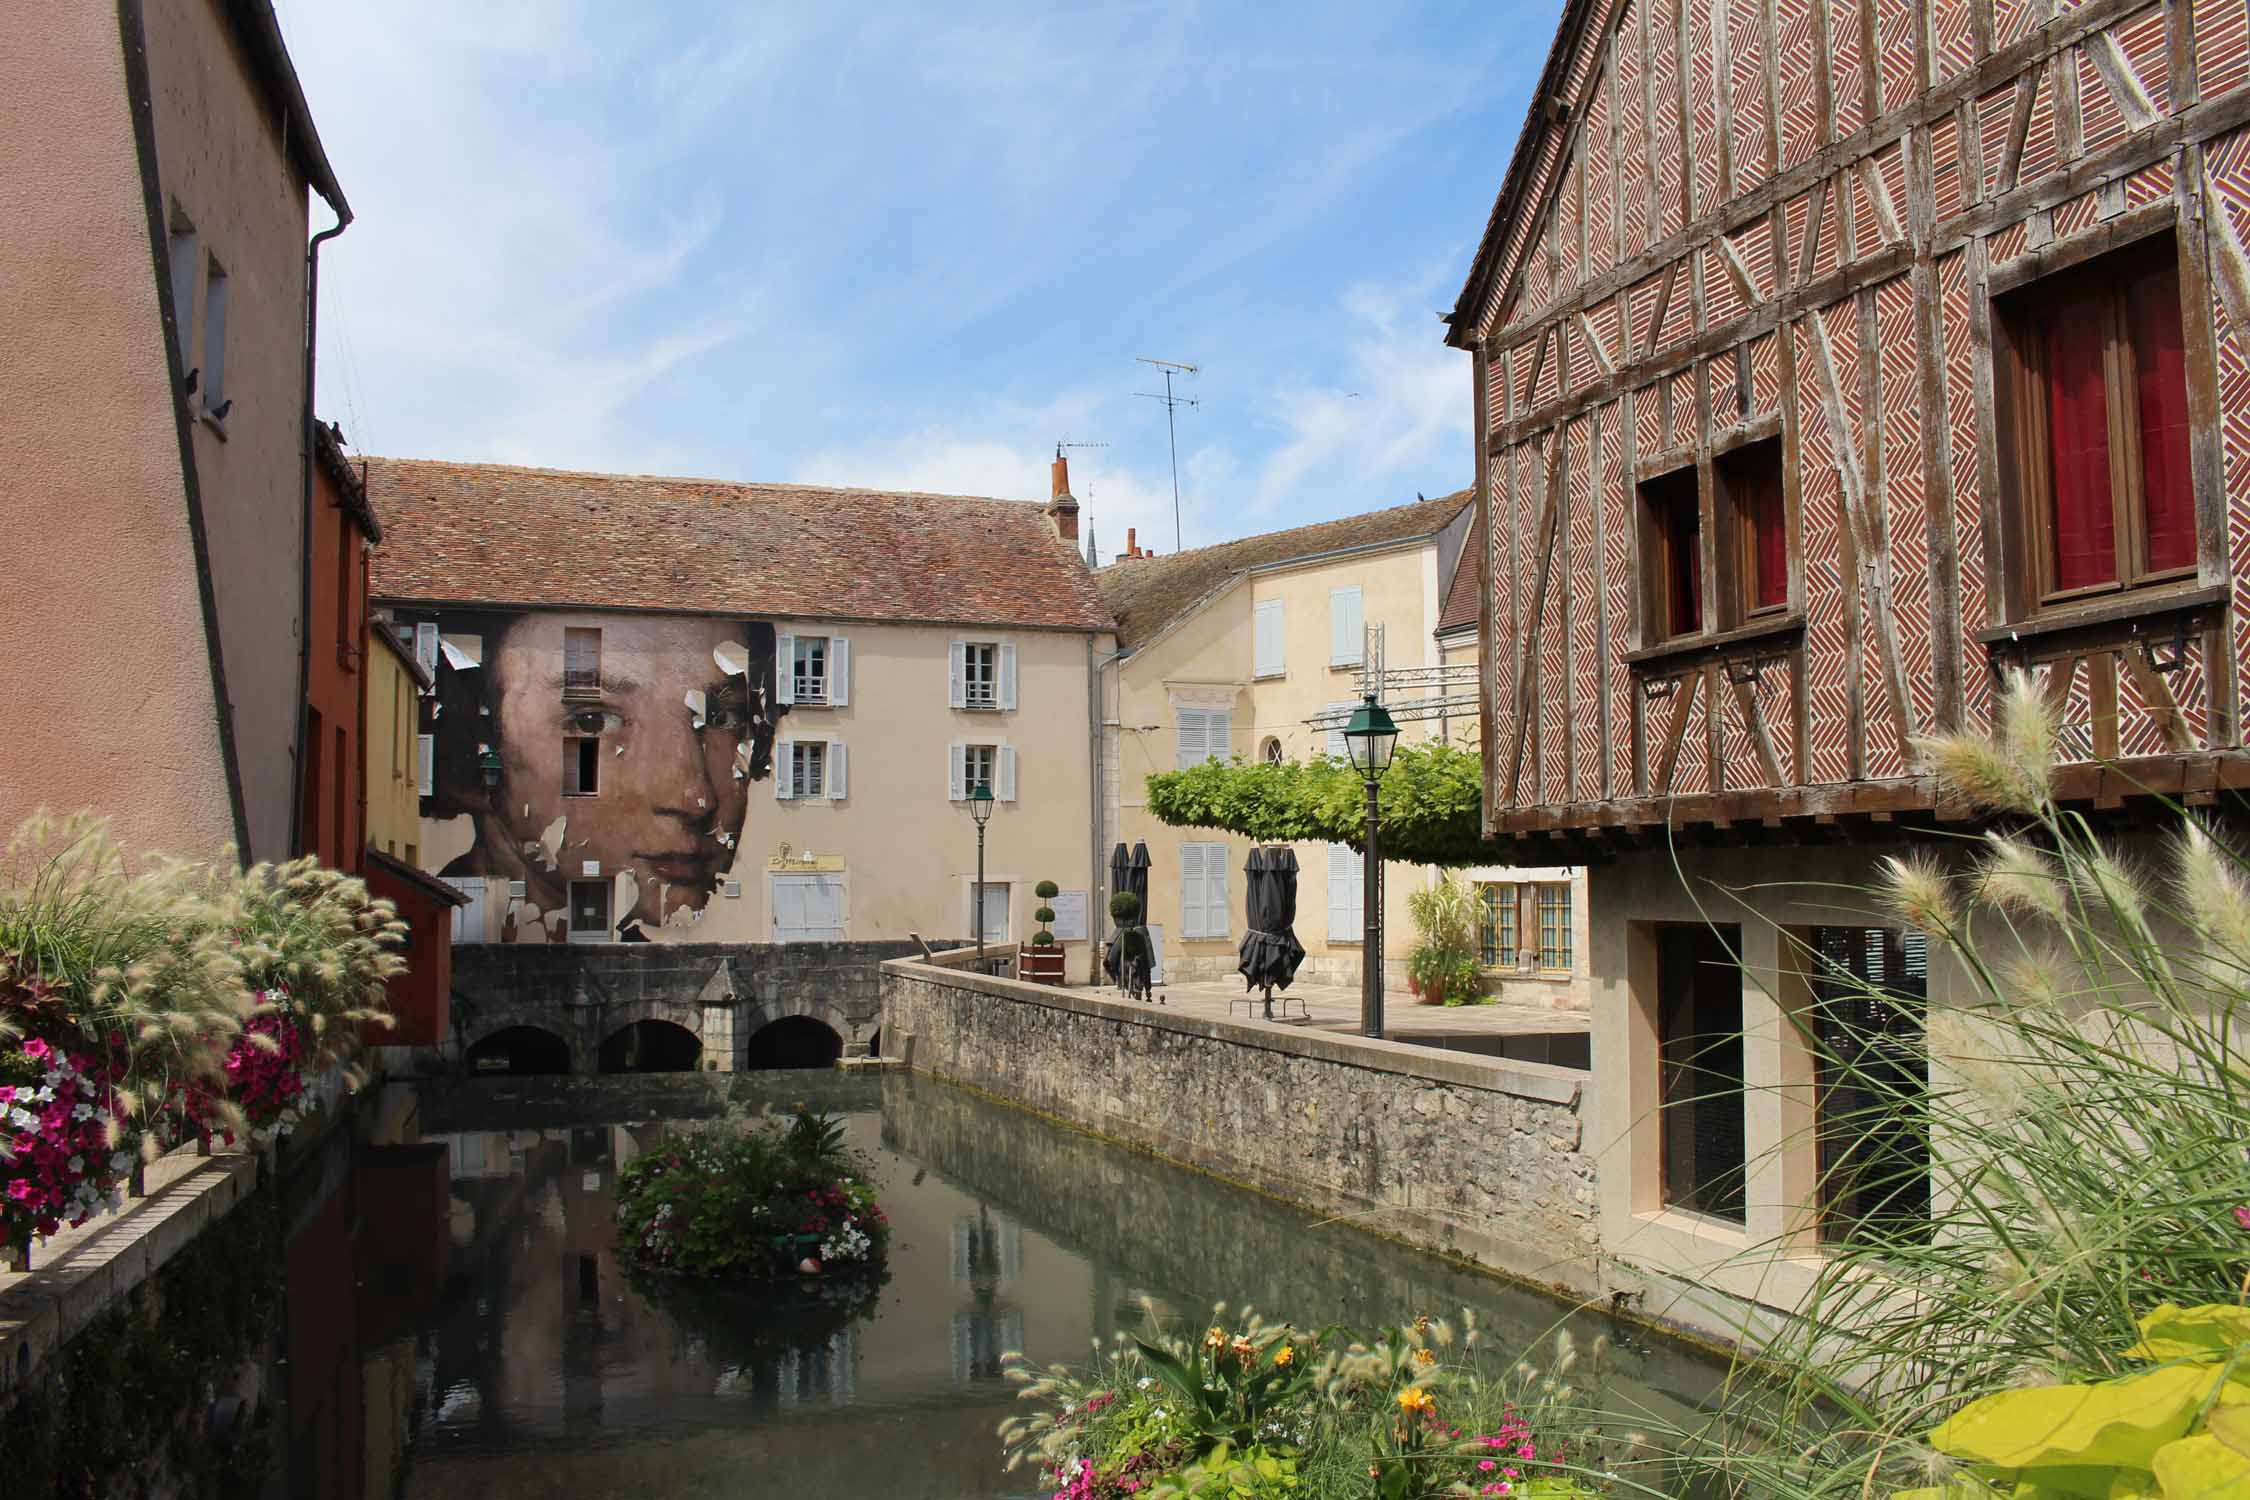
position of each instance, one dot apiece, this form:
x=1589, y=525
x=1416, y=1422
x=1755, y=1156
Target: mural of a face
x=680, y=715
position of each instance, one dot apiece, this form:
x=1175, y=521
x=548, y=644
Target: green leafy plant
x=1046, y=891
x=1125, y=908
x=740, y=1199
x=1442, y=964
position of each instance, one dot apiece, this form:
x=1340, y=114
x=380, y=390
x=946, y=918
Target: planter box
x=1041, y=965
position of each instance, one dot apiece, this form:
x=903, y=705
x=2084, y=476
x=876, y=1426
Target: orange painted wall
x=333, y=790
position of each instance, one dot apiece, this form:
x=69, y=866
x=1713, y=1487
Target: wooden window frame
x=575, y=758
x=2020, y=434
x=579, y=684
x=1555, y=892
x=1655, y=495
x=808, y=754
x=1737, y=555
x=980, y=693
x=801, y=649
x=1518, y=944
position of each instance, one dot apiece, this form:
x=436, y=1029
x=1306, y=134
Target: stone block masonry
x=1459, y=1153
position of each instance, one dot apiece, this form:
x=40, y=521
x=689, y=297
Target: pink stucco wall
x=104, y=679
x=220, y=160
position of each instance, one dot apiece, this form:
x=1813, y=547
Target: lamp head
x=488, y=765
x=1369, y=739
x=980, y=803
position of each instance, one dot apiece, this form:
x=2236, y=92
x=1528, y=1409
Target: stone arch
x=706, y=1026
x=653, y=1044
x=792, y=1041
x=518, y=1047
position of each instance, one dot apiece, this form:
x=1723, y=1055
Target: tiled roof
x=1465, y=595
x=1149, y=593
x=491, y=534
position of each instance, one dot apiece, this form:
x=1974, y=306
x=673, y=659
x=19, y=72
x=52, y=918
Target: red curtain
x=2078, y=446
x=1770, y=523
x=2152, y=313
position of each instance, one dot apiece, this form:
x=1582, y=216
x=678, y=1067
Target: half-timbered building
x=1830, y=357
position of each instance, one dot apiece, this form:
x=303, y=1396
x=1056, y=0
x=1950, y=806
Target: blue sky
x=915, y=245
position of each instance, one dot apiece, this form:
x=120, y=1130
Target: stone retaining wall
x=1468, y=1154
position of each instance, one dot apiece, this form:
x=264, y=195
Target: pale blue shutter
x=1347, y=628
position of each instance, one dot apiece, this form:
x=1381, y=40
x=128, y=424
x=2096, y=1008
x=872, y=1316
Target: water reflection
x=549, y=1368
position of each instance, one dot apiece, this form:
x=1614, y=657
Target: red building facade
x=332, y=777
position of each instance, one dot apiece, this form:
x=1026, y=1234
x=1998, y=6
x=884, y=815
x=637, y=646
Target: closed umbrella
x=1139, y=876
x=1270, y=950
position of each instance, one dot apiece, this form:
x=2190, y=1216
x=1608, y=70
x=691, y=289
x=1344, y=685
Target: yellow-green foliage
x=2176, y=1430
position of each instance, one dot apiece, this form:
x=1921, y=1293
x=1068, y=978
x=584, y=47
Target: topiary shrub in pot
x=1043, y=956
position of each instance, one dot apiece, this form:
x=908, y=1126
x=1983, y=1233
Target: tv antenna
x=1171, y=402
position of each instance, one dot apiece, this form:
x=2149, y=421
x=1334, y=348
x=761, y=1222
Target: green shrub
x=1125, y=907
x=1046, y=890
x=1442, y=964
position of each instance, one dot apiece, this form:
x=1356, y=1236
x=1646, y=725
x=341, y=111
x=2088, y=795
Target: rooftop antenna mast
x=1171, y=402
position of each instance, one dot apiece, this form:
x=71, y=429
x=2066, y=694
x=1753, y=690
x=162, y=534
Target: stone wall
x=1472, y=1155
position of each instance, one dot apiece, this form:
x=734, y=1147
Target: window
x=1757, y=520
x=2098, y=402
x=1266, y=632
x=1333, y=744
x=808, y=671
x=425, y=764
x=582, y=662
x=1203, y=890
x=582, y=766
x=426, y=646
x=982, y=765
x=1270, y=751
x=1872, y=1076
x=980, y=666
x=1496, y=926
x=808, y=763
x=1699, y=1067
x=184, y=258
x=1202, y=734
x=214, y=380
x=1554, y=926
x=1671, y=557
x=1347, y=628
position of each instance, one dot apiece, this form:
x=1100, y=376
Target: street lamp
x=488, y=766
x=1369, y=740
x=980, y=809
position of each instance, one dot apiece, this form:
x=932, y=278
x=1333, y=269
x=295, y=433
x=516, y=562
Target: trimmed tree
x=1429, y=804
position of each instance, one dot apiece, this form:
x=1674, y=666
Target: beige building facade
x=608, y=755
x=154, y=285
x=1232, y=651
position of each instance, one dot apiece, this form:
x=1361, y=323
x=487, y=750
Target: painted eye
x=593, y=721
x=729, y=716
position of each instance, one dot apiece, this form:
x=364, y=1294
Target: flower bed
x=1263, y=1410
x=733, y=1199
x=141, y=1007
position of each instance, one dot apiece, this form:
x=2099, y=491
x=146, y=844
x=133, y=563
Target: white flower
x=1144, y=1382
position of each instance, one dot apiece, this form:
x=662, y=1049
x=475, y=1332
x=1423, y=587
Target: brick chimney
x=1132, y=546
x=1062, y=510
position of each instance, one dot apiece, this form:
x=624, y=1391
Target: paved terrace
x=1525, y=1033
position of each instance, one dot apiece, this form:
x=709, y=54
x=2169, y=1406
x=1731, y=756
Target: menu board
x=1070, y=916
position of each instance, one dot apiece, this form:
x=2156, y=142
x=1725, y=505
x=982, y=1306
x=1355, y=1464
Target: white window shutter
x=1215, y=921
x=1191, y=890
x=836, y=770
x=784, y=770
x=1346, y=921
x=1007, y=675
x=956, y=771
x=426, y=646
x=785, y=674
x=425, y=764
x=957, y=674
x=1006, y=791
x=1218, y=730
x=839, y=671
x=1188, y=738
x=1268, y=639
x=1347, y=630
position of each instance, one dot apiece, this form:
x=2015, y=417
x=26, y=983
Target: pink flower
x=2242, y=1216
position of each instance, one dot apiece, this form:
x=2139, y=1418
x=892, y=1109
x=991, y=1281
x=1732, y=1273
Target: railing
x=582, y=682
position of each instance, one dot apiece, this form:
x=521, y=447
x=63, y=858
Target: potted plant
x=1043, y=956
x=1441, y=967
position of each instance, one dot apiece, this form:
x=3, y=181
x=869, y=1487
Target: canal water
x=545, y=1369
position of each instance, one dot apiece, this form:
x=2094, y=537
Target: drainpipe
x=305, y=530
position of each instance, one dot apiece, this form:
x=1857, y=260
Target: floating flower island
x=758, y=1201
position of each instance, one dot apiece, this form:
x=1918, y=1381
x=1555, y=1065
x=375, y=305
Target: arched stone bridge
x=610, y=1007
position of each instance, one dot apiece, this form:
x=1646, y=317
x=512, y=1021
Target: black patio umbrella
x=1270, y=950
x=1139, y=876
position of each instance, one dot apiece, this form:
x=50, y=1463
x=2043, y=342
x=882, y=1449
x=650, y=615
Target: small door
x=589, y=912
x=468, y=921
x=808, y=908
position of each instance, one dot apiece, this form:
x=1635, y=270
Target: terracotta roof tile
x=1465, y=595
x=492, y=534
x=1149, y=593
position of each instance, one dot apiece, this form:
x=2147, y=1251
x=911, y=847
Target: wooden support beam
x=1675, y=730
x=2123, y=83
x=1528, y=630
